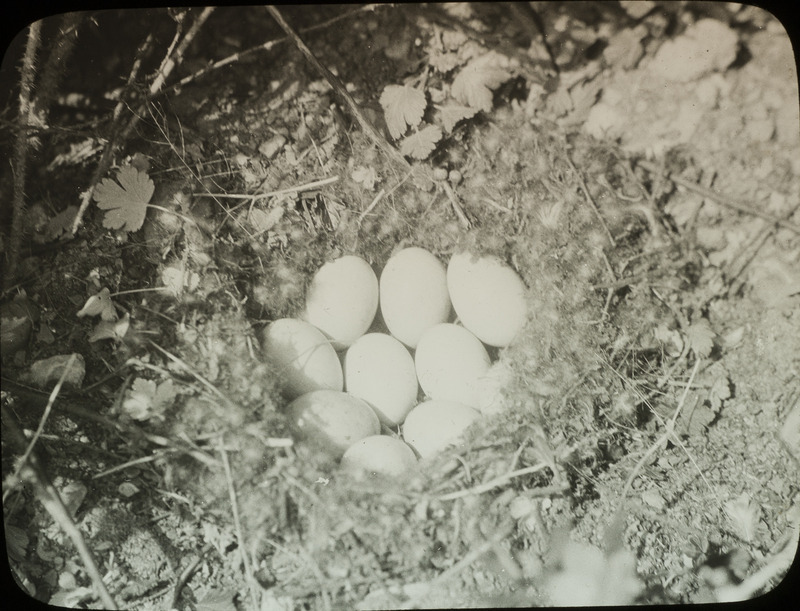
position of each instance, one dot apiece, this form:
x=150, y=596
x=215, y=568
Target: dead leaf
x=403, y=107
x=366, y=177
x=48, y=371
x=744, y=515
x=125, y=201
x=115, y=330
x=99, y=303
x=422, y=143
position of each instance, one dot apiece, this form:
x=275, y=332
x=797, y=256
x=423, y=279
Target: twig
x=589, y=198
x=719, y=197
x=341, y=91
x=48, y=496
x=371, y=207
x=50, y=401
x=492, y=483
x=267, y=46
x=168, y=65
x=298, y=189
x=661, y=440
x=184, y=577
x=236, y=521
x=462, y=217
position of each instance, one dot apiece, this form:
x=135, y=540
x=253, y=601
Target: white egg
x=488, y=297
x=379, y=456
x=303, y=357
x=434, y=425
x=414, y=296
x=332, y=421
x=449, y=361
x=380, y=370
x=342, y=299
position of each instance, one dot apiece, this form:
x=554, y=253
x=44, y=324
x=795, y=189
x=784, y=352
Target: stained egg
x=303, y=357
x=488, y=297
x=332, y=421
x=380, y=370
x=342, y=299
x=434, y=425
x=413, y=294
x=379, y=456
x=449, y=361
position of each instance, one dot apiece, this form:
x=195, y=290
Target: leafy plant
x=125, y=199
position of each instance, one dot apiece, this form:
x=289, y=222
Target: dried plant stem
x=720, y=198
x=237, y=523
x=33, y=472
x=341, y=91
x=170, y=62
x=267, y=46
x=19, y=161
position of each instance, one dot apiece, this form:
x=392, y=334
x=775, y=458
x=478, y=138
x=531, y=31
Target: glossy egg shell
x=380, y=370
x=434, y=425
x=449, y=361
x=413, y=294
x=342, y=299
x=302, y=356
x=488, y=297
x=332, y=421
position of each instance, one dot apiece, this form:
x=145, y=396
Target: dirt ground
x=637, y=164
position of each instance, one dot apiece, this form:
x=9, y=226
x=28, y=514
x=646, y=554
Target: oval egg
x=332, y=421
x=342, y=299
x=379, y=456
x=380, y=370
x=490, y=396
x=488, y=297
x=413, y=294
x=303, y=356
x=434, y=425
x=449, y=361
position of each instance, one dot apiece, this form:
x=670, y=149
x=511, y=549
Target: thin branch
x=341, y=91
x=720, y=198
x=33, y=472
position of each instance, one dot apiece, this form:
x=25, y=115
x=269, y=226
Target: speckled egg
x=488, y=297
x=413, y=294
x=302, y=356
x=449, y=361
x=380, y=370
x=434, y=425
x=332, y=421
x=342, y=299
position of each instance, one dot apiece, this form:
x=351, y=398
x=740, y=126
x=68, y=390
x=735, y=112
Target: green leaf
x=422, y=143
x=403, y=106
x=452, y=114
x=475, y=83
x=99, y=303
x=125, y=202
